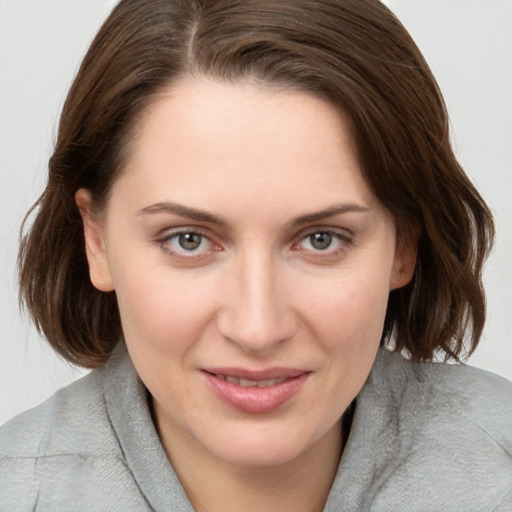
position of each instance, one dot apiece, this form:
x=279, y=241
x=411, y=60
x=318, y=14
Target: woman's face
x=252, y=266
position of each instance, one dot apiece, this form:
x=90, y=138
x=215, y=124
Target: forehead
x=212, y=141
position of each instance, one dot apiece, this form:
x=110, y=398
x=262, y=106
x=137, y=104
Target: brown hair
x=354, y=54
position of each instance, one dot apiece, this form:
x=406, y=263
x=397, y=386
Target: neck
x=212, y=484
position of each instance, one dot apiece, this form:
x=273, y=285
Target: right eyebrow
x=182, y=211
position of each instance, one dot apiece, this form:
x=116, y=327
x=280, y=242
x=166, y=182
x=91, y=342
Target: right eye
x=189, y=242
x=186, y=244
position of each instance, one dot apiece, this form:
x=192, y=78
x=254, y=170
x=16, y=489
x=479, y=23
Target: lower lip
x=253, y=399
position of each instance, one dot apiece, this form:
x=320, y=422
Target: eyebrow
x=203, y=216
x=182, y=211
x=329, y=212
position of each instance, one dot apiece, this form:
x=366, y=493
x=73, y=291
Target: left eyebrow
x=329, y=212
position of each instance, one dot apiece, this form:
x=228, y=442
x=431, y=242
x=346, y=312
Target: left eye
x=321, y=241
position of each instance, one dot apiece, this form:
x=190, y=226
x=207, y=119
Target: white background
x=468, y=43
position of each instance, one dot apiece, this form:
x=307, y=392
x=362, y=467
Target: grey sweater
x=424, y=437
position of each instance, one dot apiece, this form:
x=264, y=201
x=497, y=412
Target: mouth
x=245, y=383
x=255, y=392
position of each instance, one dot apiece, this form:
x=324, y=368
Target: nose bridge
x=257, y=314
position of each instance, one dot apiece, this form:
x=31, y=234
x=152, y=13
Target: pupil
x=321, y=240
x=190, y=241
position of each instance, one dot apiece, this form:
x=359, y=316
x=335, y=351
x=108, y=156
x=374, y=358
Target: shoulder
x=53, y=451
x=454, y=424
x=70, y=421
x=458, y=394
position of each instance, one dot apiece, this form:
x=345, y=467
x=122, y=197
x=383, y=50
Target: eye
x=188, y=241
x=320, y=241
x=186, y=244
x=327, y=241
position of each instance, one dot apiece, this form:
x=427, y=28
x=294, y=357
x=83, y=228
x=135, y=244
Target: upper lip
x=267, y=374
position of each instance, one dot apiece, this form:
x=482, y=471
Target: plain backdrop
x=468, y=44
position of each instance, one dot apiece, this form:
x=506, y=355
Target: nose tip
x=256, y=315
x=254, y=332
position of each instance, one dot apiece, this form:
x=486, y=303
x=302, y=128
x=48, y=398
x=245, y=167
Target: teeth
x=248, y=383
x=245, y=383
x=267, y=383
x=271, y=382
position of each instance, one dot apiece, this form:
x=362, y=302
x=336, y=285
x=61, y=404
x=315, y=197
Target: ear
x=404, y=262
x=99, y=269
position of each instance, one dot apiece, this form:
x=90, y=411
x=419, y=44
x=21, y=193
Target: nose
x=257, y=313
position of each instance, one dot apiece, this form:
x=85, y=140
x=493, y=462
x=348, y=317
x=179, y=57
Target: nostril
x=255, y=336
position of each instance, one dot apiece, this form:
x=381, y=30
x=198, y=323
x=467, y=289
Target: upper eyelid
x=341, y=232
x=172, y=232
x=321, y=229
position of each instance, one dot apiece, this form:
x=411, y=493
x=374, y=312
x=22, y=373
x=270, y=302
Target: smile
x=256, y=392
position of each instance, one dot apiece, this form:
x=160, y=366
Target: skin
x=258, y=292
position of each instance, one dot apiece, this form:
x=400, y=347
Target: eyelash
x=344, y=240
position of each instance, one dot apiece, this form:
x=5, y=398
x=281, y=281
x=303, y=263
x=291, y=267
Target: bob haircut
x=355, y=55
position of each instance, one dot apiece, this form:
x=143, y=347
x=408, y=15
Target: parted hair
x=355, y=55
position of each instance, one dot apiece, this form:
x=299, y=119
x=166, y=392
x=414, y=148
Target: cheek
x=164, y=317
x=159, y=307
x=348, y=313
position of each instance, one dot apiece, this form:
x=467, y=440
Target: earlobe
x=99, y=269
x=404, y=263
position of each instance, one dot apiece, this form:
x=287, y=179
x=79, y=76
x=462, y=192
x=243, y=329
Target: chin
x=263, y=448
x=257, y=456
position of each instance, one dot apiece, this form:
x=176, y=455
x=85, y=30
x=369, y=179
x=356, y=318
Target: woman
x=248, y=201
